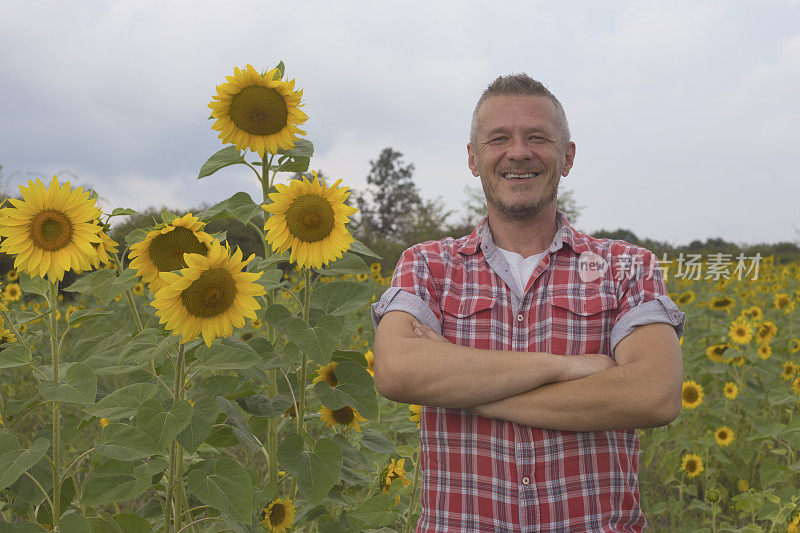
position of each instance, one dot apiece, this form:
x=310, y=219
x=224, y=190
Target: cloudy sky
x=685, y=113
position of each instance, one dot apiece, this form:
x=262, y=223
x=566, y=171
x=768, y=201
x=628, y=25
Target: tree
x=386, y=207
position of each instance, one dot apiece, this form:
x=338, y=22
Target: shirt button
x=526, y=481
x=520, y=318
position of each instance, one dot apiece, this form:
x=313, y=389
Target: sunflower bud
x=712, y=495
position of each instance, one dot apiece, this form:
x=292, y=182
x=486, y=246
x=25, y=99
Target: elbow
x=668, y=410
x=386, y=376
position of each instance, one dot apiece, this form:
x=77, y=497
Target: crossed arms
x=415, y=365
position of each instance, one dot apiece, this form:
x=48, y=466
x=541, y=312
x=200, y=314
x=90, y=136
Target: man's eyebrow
x=504, y=129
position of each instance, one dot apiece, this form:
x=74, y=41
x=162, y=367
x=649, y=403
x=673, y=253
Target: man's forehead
x=533, y=105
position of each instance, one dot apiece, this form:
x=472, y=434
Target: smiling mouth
x=513, y=176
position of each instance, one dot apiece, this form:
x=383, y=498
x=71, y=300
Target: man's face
x=519, y=154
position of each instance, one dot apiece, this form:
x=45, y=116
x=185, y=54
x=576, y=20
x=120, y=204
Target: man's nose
x=519, y=149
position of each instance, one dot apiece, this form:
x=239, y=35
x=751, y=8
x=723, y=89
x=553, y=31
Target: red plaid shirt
x=487, y=474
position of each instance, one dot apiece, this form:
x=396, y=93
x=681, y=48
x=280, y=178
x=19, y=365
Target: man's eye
x=496, y=139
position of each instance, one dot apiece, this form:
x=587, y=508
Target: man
x=535, y=350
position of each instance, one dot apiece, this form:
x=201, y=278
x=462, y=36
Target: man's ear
x=471, y=161
x=569, y=159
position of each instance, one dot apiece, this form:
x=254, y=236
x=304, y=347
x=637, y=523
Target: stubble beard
x=519, y=212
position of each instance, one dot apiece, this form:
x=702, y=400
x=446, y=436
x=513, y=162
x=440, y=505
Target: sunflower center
x=211, y=294
x=167, y=249
x=277, y=514
x=259, y=110
x=344, y=415
x=310, y=218
x=51, y=230
x=690, y=395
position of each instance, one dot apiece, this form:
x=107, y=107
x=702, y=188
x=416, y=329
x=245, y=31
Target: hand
x=580, y=366
x=424, y=332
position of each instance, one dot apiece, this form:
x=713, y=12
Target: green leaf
x=126, y=443
x=131, y=523
x=118, y=481
x=80, y=386
x=281, y=70
x=271, y=279
x=204, y=415
x=22, y=527
x=14, y=463
x=302, y=148
x=118, y=211
x=135, y=236
x=242, y=208
x=348, y=264
x=15, y=355
x=278, y=316
x=82, y=315
x=341, y=297
x=316, y=471
x=230, y=155
x=355, y=389
x=168, y=216
x=227, y=487
x=74, y=522
x=35, y=285
x=360, y=248
x=293, y=164
x=163, y=426
x=124, y=402
x=226, y=356
x=261, y=405
x=318, y=343
x=235, y=420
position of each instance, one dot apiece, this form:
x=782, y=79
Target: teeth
x=519, y=176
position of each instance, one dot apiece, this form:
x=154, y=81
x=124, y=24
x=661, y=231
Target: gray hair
x=520, y=85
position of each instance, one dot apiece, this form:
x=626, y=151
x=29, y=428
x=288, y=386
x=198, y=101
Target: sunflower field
x=179, y=386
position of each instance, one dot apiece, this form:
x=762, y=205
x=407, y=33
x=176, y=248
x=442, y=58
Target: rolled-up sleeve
x=412, y=290
x=643, y=299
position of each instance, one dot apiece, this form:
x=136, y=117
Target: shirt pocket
x=467, y=320
x=581, y=324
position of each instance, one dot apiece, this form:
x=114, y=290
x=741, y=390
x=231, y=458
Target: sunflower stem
x=56, y=409
x=173, y=448
x=413, y=503
x=301, y=403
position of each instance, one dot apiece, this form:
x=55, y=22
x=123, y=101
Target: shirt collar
x=482, y=237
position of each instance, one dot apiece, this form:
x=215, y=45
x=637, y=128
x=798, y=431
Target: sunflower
x=163, y=248
x=685, y=298
x=257, y=112
x=51, y=230
x=375, y=268
x=753, y=313
x=346, y=416
x=210, y=296
x=106, y=250
x=326, y=373
x=391, y=472
x=766, y=331
x=692, y=464
x=279, y=515
x=724, y=436
x=795, y=385
x=12, y=275
x=783, y=301
x=742, y=485
x=416, y=413
x=715, y=351
x=731, y=390
x=764, y=351
x=741, y=332
x=721, y=303
x=310, y=219
x=736, y=361
x=138, y=289
x=788, y=371
x=370, y=357
x=362, y=277
x=691, y=394
x=13, y=292
x=794, y=345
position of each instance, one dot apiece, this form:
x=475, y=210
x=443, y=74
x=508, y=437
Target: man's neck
x=525, y=237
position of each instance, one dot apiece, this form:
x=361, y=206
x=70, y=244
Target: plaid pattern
x=482, y=474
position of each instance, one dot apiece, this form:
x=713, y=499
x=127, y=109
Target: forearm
x=617, y=398
x=442, y=374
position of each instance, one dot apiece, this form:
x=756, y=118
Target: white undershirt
x=521, y=267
